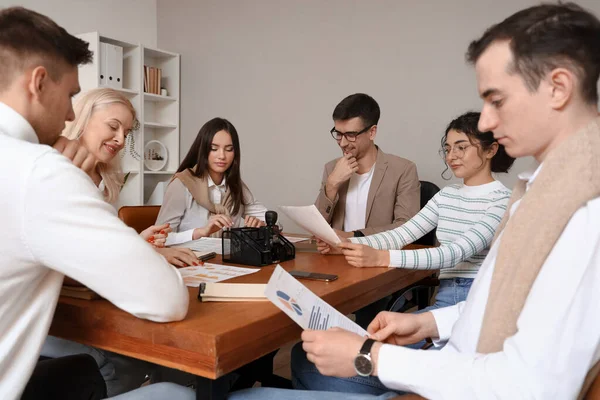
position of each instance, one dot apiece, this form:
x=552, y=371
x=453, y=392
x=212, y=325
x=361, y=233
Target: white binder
x=102, y=64
x=114, y=66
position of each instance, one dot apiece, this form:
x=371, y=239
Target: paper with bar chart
x=303, y=306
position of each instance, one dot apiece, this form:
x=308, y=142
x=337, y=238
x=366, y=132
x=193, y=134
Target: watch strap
x=366, y=347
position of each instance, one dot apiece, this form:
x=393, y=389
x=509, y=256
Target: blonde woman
x=103, y=119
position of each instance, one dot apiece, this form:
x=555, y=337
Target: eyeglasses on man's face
x=350, y=136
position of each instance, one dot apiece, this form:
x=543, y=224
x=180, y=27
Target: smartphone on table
x=313, y=275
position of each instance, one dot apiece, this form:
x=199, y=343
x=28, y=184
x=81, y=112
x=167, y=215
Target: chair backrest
x=428, y=190
x=139, y=217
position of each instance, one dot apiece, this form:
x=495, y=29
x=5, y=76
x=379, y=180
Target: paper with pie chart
x=303, y=306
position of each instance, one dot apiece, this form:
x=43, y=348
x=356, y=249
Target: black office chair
x=428, y=190
x=423, y=290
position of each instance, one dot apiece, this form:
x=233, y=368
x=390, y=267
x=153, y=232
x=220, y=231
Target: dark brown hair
x=27, y=36
x=467, y=124
x=198, y=156
x=358, y=105
x=545, y=37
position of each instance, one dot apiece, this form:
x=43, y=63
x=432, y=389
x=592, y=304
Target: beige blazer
x=394, y=195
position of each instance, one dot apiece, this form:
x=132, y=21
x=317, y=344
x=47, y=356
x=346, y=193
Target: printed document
x=305, y=307
x=296, y=239
x=194, y=275
x=309, y=218
x=203, y=245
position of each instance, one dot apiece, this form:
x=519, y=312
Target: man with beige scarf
x=529, y=328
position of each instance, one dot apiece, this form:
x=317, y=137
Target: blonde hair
x=84, y=108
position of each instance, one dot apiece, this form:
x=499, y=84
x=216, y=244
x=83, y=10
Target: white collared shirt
x=558, y=337
x=184, y=214
x=355, y=214
x=55, y=223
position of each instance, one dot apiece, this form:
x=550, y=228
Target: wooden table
x=217, y=338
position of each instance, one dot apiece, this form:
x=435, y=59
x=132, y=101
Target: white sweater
x=466, y=218
x=55, y=223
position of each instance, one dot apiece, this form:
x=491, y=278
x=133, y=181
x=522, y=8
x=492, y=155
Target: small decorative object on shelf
x=155, y=155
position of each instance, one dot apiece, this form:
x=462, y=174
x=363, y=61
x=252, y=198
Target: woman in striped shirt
x=466, y=216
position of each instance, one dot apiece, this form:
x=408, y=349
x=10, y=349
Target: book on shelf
x=152, y=79
x=158, y=80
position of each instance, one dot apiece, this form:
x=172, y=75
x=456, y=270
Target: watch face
x=363, y=365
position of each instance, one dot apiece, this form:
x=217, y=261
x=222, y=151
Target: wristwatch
x=362, y=362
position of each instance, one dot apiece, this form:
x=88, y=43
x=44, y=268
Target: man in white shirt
x=537, y=73
x=55, y=222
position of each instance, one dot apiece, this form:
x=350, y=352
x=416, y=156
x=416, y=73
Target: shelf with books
x=158, y=114
x=161, y=72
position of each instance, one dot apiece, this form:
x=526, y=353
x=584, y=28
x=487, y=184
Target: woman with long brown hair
x=207, y=194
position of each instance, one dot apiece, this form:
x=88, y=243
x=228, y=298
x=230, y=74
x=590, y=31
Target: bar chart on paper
x=316, y=320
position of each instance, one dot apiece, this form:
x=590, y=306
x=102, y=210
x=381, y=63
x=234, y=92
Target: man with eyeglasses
x=365, y=191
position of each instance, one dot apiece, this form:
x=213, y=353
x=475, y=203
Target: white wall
x=127, y=20
x=277, y=69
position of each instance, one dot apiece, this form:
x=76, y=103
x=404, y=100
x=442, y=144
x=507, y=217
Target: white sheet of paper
x=296, y=239
x=195, y=275
x=309, y=218
x=303, y=306
x=204, y=245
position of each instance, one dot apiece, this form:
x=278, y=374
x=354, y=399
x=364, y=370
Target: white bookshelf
x=158, y=114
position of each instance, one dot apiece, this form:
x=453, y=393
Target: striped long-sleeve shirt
x=466, y=218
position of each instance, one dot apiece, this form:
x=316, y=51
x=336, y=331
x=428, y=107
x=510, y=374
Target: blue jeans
x=287, y=394
x=305, y=375
x=159, y=391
